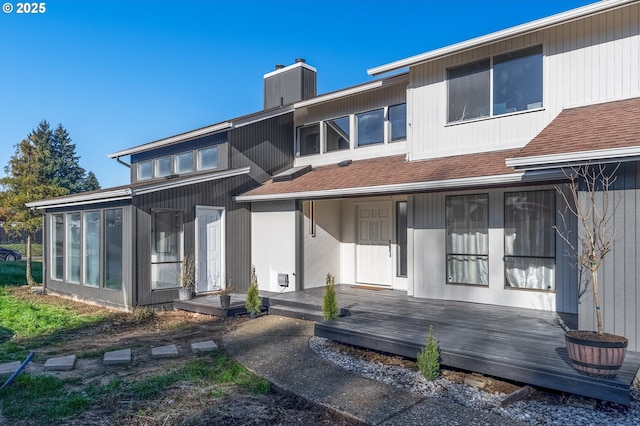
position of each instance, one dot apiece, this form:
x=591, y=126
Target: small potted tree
x=253, y=303
x=225, y=295
x=187, y=277
x=588, y=198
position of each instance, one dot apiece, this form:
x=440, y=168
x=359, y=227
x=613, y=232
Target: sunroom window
x=529, y=240
x=91, y=248
x=467, y=223
x=502, y=84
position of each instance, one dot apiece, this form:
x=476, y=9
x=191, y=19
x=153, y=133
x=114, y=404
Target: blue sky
x=118, y=73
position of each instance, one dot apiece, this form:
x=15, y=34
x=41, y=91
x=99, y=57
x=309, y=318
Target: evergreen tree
x=91, y=182
x=25, y=183
x=67, y=172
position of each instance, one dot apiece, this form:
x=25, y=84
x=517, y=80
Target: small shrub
x=429, y=358
x=329, y=301
x=253, y=303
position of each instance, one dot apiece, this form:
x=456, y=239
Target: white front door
x=373, y=252
x=209, y=249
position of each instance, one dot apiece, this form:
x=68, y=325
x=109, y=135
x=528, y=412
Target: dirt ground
x=183, y=404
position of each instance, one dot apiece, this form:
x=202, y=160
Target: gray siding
x=429, y=255
x=287, y=87
x=238, y=231
x=618, y=277
x=266, y=147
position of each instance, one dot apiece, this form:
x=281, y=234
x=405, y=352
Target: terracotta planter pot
x=596, y=355
x=225, y=300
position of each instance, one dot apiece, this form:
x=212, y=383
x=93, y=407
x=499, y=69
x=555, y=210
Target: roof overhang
x=83, y=198
x=402, y=78
x=574, y=158
x=551, y=21
x=436, y=185
x=169, y=184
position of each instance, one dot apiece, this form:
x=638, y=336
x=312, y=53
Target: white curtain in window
x=530, y=240
x=467, y=239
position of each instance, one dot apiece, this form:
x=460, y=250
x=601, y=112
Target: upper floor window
x=178, y=164
x=379, y=126
x=370, y=127
x=398, y=122
x=502, y=84
x=183, y=163
x=145, y=170
x=208, y=158
x=309, y=140
x=338, y=134
x=162, y=167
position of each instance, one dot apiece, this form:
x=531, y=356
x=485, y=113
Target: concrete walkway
x=277, y=348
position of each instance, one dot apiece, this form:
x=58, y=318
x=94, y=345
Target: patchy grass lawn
x=25, y=324
x=15, y=273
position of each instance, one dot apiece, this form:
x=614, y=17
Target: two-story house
x=443, y=181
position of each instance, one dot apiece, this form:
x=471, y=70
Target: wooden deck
x=517, y=344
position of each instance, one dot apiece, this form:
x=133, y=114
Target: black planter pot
x=596, y=355
x=225, y=300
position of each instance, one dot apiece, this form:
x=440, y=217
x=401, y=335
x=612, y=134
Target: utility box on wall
x=283, y=280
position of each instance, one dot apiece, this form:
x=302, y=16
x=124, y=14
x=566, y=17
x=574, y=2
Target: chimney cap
x=279, y=66
x=298, y=60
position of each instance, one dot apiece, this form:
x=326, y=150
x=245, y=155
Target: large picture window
x=79, y=243
x=467, y=233
x=166, y=248
x=529, y=240
x=503, y=84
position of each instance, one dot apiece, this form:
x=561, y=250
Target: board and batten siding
x=429, y=258
x=585, y=61
x=186, y=198
x=618, y=279
x=373, y=99
x=121, y=299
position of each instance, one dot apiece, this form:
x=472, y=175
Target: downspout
x=122, y=162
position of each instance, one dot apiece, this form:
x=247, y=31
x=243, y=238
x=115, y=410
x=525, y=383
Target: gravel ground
x=541, y=409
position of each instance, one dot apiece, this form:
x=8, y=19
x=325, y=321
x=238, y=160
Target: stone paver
x=122, y=356
x=168, y=351
x=206, y=346
x=8, y=368
x=63, y=363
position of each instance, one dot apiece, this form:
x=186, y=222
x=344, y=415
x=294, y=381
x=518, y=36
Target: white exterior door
x=209, y=249
x=373, y=252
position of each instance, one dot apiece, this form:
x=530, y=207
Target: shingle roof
x=595, y=127
x=384, y=171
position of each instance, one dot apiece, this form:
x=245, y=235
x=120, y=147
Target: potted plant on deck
x=187, y=277
x=589, y=199
x=225, y=295
x=253, y=304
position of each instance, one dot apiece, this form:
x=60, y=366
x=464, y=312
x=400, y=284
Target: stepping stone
x=164, y=351
x=8, y=368
x=122, y=356
x=63, y=363
x=207, y=346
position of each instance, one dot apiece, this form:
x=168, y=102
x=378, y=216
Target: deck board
x=523, y=345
